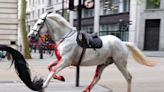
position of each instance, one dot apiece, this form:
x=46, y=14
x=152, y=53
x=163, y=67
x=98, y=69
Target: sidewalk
x=154, y=53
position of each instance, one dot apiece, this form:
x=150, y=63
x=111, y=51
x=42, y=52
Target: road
x=53, y=87
x=145, y=79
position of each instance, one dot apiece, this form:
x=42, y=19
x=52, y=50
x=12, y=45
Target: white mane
x=58, y=18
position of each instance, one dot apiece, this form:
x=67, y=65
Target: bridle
x=41, y=24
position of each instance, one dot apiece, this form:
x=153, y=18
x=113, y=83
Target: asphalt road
x=53, y=87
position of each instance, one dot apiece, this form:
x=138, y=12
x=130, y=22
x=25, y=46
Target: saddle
x=87, y=40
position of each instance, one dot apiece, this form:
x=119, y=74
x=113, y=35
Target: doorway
x=152, y=29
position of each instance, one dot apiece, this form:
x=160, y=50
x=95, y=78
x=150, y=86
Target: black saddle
x=87, y=40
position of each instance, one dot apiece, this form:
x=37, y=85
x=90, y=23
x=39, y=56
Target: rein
x=60, y=41
x=66, y=36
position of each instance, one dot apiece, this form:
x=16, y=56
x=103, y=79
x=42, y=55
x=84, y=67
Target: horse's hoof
x=60, y=78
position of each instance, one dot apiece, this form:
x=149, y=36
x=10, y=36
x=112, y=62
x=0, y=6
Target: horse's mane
x=58, y=18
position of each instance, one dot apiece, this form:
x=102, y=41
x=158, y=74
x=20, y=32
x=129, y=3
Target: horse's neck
x=61, y=33
x=58, y=31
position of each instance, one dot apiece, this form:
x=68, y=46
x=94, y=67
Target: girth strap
x=81, y=56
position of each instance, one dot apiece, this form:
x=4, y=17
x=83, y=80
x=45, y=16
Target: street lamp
x=63, y=8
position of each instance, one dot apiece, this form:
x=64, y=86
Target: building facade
x=147, y=29
x=107, y=16
x=9, y=22
x=34, y=9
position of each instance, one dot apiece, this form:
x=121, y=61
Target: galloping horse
x=68, y=52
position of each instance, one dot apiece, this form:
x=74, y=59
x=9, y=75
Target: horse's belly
x=92, y=62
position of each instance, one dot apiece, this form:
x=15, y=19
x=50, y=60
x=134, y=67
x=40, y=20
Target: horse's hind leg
x=96, y=78
x=121, y=65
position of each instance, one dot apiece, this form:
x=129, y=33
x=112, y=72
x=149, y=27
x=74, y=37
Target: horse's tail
x=22, y=69
x=139, y=56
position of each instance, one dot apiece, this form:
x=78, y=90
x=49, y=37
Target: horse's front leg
x=50, y=66
x=59, y=66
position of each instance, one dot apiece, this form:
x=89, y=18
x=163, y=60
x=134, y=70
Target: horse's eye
x=39, y=24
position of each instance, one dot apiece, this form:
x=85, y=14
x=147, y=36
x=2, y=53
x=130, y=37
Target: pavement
x=154, y=53
x=53, y=87
x=145, y=79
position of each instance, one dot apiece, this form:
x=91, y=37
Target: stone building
x=9, y=22
x=107, y=16
x=139, y=22
x=147, y=29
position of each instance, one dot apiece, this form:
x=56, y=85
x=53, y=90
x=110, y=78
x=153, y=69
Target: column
x=133, y=20
x=121, y=6
x=96, y=16
x=71, y=17
x=161, y=37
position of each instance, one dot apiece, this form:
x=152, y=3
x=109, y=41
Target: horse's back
x=112, y=47
x=119, y=49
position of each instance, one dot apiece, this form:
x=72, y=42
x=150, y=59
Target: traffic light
x=71, y=4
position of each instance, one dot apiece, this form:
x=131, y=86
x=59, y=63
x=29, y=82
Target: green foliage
x=156, y=2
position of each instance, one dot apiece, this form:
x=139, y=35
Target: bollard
x=41, y=52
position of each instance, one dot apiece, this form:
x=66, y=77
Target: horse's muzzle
x=33, y=37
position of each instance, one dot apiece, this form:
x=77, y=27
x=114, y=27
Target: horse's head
x=39, y=28
x=53, y=24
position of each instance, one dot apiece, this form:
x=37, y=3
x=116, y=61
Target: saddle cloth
x=87, y=40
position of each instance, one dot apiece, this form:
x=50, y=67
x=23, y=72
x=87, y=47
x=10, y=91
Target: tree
x=25, y=43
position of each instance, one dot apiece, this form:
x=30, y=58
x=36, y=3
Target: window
x=43, y=10
x=32, y=15
x=152, y=4
x=38, y=13
x=66, y=13
x=110, y=6
x=109, y=27
x=50, y=3
x=87, y=13
x=126, y=5
x=38, y=2
x=88, y=29
x=113, y=29
x=32, y=3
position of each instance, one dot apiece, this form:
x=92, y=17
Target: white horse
x=68, y=52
